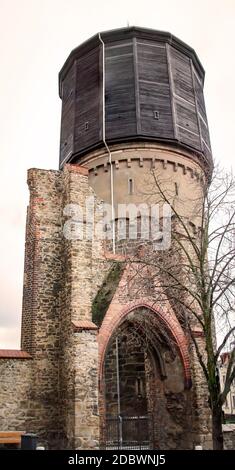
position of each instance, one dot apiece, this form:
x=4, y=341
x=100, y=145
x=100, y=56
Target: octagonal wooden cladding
x=153, y=91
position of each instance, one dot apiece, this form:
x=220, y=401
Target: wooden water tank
x=153, y=91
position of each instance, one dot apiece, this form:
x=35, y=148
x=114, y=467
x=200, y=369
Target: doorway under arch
x=146, y=404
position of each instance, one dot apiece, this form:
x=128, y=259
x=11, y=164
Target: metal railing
x=128, y=432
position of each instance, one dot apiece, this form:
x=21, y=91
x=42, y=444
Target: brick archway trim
x=116, y=315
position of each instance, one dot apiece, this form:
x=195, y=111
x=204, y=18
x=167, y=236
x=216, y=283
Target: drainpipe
x=118, y=393
x=106, y=146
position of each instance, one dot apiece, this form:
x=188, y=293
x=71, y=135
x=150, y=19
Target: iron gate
x=128, y=432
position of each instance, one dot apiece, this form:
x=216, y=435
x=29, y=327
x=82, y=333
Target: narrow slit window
x=176, y=189
x=86, y=126
x=156, y=115
x=130, y=186
x=139, y=387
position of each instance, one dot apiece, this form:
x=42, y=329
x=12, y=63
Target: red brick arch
x=117, y=313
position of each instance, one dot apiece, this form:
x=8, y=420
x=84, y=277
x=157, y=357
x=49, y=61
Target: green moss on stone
x=105, y=294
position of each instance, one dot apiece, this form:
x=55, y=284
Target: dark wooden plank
x=152, y=63
x=137, y=91
x=187, y=124
x=114, y=50
x=205, y=133
x=101, y=118
x=88, y=96
x=154, y=91
x=196, y=103
x=199, y=95
x=120, y=93
x=181, y=72
x=67, y=115
x=201, y=110
x=172, y=91
x=156, y=99
x=185, y=105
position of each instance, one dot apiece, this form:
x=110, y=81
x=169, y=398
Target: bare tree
x=197, y=275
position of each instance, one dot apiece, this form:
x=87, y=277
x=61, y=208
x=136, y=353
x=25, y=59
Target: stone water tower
x=132, y=103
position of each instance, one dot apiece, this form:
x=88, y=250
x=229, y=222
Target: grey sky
x=36, y=36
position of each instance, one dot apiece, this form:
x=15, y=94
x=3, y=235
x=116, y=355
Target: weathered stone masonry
x=61, y=280
x=57, y=298
x=16, y=409
x=78, y=296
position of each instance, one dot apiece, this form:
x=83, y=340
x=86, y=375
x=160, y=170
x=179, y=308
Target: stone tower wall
x=62, y=278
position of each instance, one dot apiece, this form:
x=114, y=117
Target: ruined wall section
x=79, y=348
x=15, y=394
x=41, y=299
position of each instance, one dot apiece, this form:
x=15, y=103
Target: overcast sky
x=36, y=37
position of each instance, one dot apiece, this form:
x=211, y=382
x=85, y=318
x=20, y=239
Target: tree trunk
x=217, y=432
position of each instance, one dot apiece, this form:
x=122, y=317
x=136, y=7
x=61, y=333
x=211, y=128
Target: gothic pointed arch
x=117, y=313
